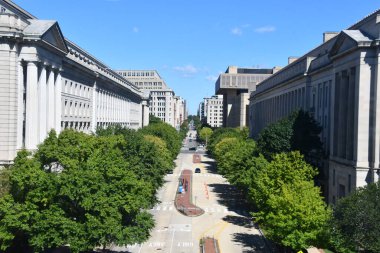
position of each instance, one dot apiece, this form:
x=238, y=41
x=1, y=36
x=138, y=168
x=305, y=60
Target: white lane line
x=171, y=245
x=140, y=248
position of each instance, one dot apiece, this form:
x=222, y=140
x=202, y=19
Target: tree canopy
x=205, y=134
x=299, y=132
x=76, y=190
x=356, y=221
x=291, y=210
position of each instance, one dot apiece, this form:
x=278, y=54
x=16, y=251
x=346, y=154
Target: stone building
x=338, y=82
x=235, y=85
x=163, y=102
x=48, y=82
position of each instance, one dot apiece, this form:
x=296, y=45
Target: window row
x=77, y=89
x=76, y=109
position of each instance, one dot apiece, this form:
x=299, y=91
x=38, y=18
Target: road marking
x=185, y=244
x=171, y=246
x=221, y=229
x=210, y=228
x=156, y=244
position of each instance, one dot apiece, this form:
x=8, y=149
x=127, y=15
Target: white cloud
x=211, y=78
x=237, y=31
x=187, y=70
x=135, y=29
x=265, y=29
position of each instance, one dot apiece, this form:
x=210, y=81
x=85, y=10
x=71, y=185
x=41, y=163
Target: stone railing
x=10, y=24
x=298, y=68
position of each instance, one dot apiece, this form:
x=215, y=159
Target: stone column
x=377, y=105
x=50, y=101
x=58, y=101
x=94, y=109
x=42, y=103
x=31, y=124
x=20, y=105
x=362, y=108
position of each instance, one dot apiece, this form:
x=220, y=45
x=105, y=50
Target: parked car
x=197, y=170
x=193, y=148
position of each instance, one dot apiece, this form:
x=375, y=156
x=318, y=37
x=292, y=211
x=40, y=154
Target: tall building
x=338, y=82
x=235, y=85
x=201, y=111
x=48, y=82
x=212, y=111
x=162, y=98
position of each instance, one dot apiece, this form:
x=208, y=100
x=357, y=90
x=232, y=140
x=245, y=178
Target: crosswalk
x=171, y=208
x=198, y=175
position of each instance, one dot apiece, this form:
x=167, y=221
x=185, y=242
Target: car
x=192, y=148
x=197, y=170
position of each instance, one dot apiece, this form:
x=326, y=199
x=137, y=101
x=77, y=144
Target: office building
x=162, y=98
x=235, y=85
x=212, y=111
x=338, y=82
x=48, y=82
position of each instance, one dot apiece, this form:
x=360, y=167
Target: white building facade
x=48, y=82
x=339, y=84
x=163, y=102
x=213, y=111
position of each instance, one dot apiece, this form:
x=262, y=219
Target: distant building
x=235, y=85
x=201, y=112
x=212, y=111
x=179, y=111
x=48, y=82
x=163, y=102
x=338, y=82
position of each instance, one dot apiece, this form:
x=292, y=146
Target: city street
x=224, y=219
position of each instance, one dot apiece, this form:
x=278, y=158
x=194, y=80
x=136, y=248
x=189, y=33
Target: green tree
x=167, y=133
x=204, y=134
x=162, y=153
x=296, y=215
x=153, y=119
x=184, y=128
x=299, y=132
x=4, y=181
x=144, y=155
x=285, y=168
x=219, y=134
x=77, y=190
x=356, y=221
x=275, y=138
x=291, y=210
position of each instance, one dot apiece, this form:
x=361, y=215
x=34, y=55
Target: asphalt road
x=225, y=217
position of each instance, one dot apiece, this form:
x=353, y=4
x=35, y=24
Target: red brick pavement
x=183, y=200
x=210, y=245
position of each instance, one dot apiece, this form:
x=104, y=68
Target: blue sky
x=190, y=42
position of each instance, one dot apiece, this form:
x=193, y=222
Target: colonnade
x=112, y=107
x=40, y=93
